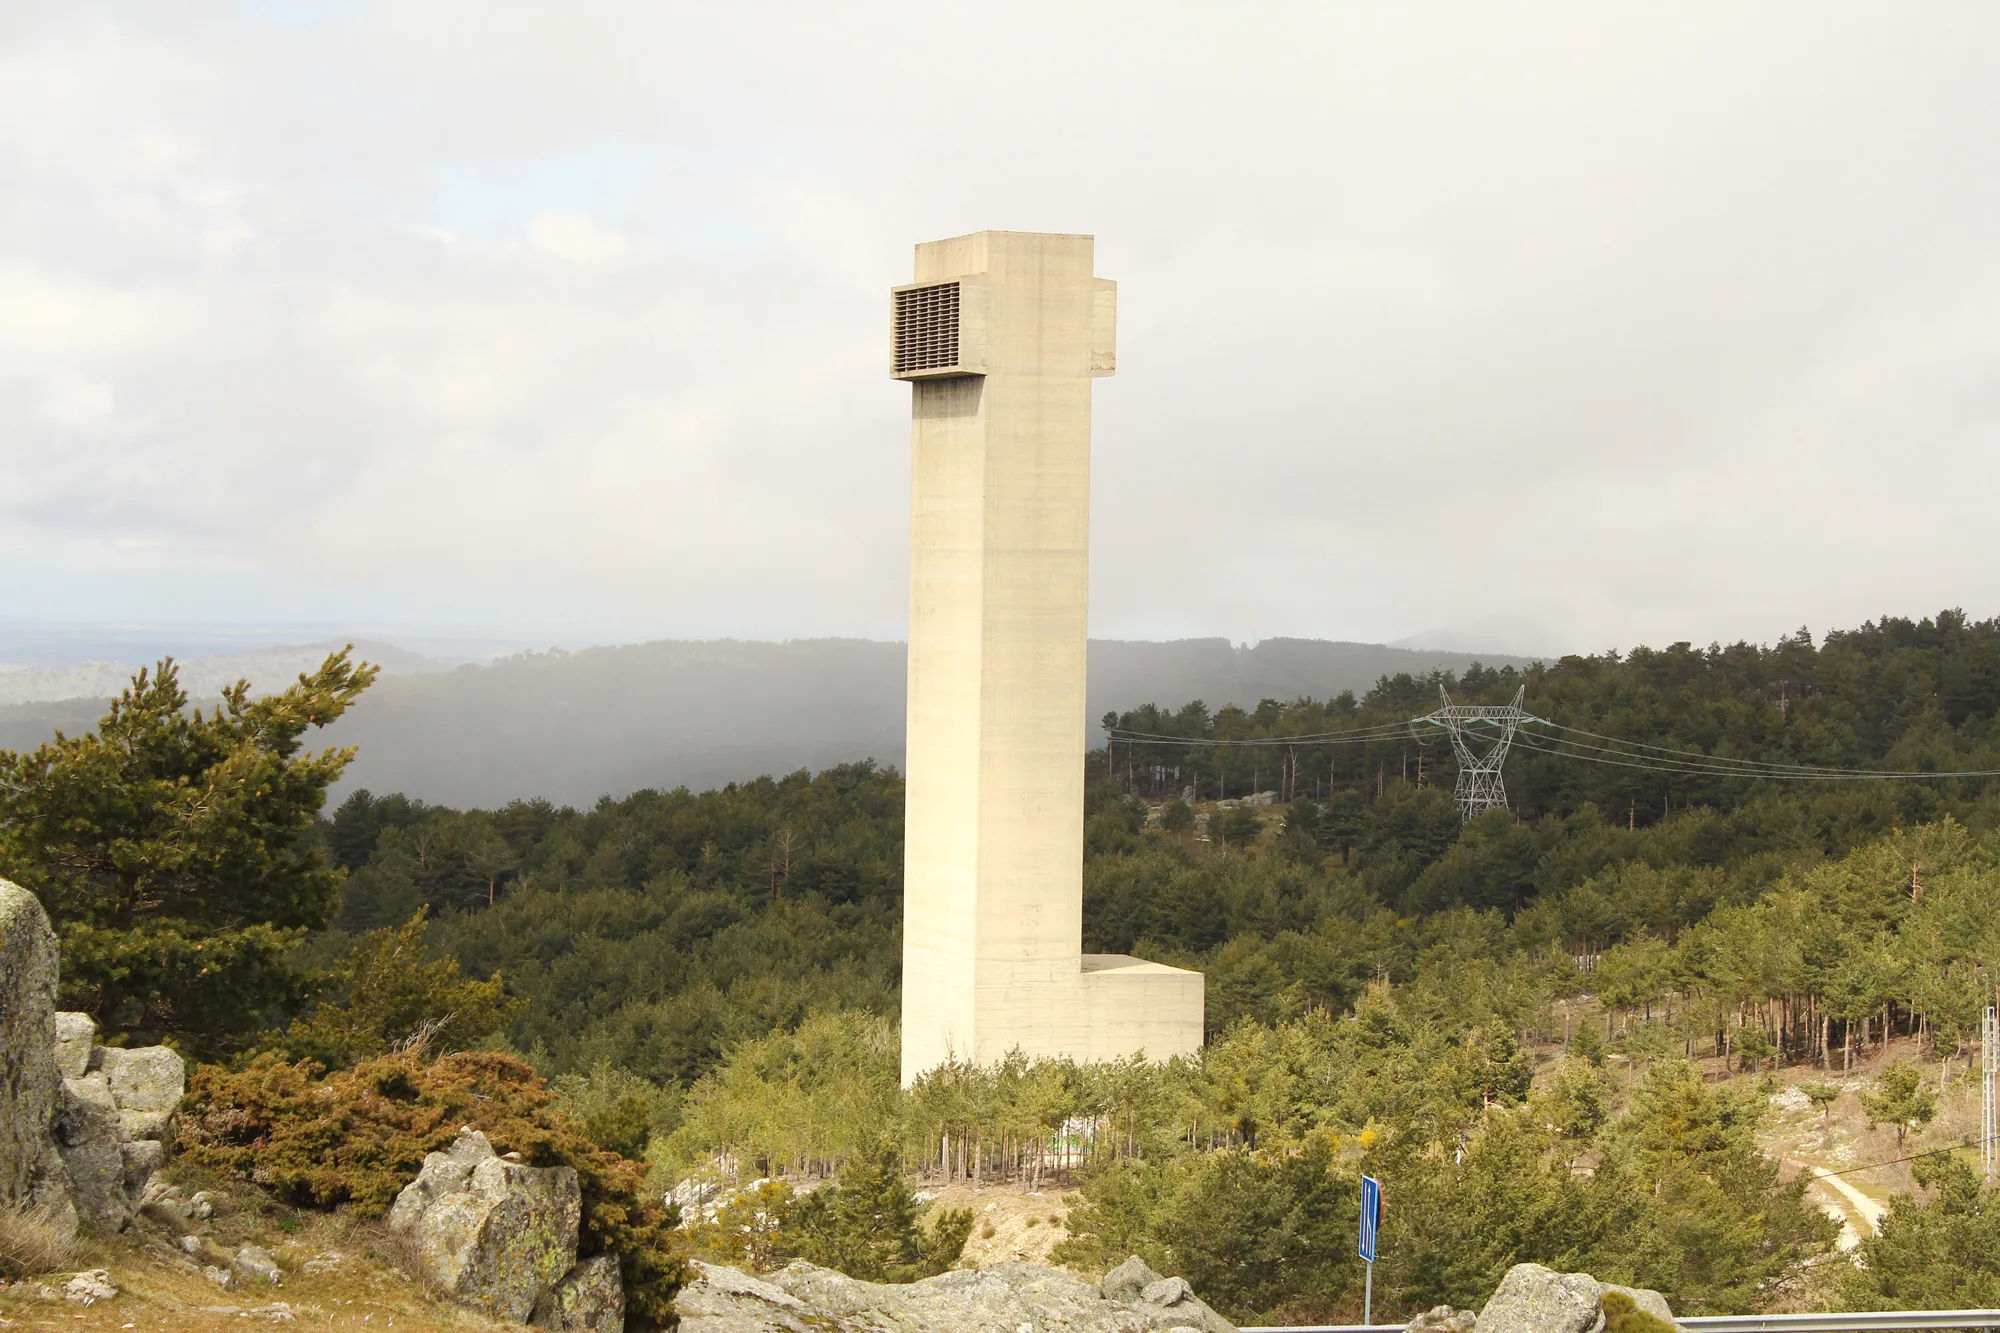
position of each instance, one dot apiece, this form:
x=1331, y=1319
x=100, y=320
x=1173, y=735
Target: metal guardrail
x=1871, y=1321
x=1884, y=1320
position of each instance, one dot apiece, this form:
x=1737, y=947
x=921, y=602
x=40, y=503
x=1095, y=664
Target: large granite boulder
x=32, y=1175
x=76, y=1034
x=589, y=1299
x=147, y=1083
x=1444, y=1319
x=82, y=1126
x=801, y=1298
x=501, y=1237
x=1133, y=1283
x=87, y=1135
x=142, y=1078
x=1534, y=1299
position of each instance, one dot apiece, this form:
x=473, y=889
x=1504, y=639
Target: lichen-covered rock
x=801, y=1297
x=442, y=1173
x=32, y=1174
x=142, y=1078
x=1534, y=1299
x=589, y=1299
x=1444, y=1319
x=1645, y=1298
x=142, y=1157
x=724, y=1300
x=87, y=1135
x=1128, y=1281
x=156, y=1125
x=491, y=1233
x=254, y=1266
x=75, y=1035
x=90, y=1287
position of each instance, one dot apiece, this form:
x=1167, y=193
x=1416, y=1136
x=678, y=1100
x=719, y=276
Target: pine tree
x=172, y=849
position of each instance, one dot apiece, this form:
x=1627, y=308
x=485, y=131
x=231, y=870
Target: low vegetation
x=356, y=1136
x=706, y=982
x=30, y=1244
x=864, y=1225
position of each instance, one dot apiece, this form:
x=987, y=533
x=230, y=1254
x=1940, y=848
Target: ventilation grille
x=927, y=328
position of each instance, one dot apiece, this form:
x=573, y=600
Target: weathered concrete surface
x=993, y=955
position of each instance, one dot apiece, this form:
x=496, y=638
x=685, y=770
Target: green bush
x=355, y=1137
x=864, y=1226
x=385, y=995
x=1936, y=1250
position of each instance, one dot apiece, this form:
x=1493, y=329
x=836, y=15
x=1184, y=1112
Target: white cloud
x=578, y=239
x=1676, y=324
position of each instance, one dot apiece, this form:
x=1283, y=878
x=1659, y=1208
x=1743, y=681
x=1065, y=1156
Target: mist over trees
x=573, y=726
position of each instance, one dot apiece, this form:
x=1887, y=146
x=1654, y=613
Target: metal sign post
x=1371, y=1223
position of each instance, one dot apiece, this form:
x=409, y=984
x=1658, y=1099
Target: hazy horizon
x=1437, y=325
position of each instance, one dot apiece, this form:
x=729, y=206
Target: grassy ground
x=1009, y=1222
x=336, y=1276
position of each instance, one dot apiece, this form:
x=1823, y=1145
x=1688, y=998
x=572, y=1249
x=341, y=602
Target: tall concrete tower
x=1000, y=336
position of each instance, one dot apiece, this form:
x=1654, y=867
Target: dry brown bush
x=30, y=1243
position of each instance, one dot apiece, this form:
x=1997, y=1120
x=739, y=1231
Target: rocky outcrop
x=1534, y=1299
x=500, y=1237
x=591, y=1299
x=76, y=1034
x=116, y=1125
x=1444, y=1319
x=32, y=1175
x=87, y=1136
x=801, y=1298
x=254, y=1266
x=82, y=1126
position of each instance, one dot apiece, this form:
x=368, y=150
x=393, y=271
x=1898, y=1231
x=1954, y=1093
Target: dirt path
x=1862, y=1214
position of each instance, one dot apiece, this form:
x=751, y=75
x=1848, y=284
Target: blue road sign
x=1371, y=1215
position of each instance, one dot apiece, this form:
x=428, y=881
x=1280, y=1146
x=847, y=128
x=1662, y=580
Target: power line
x=1800, y=773
x=1616, y=752
x=1931, y=1152
x=1761, y=765
x=1360, y=735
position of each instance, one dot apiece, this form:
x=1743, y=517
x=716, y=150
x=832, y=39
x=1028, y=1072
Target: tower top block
x=961, y=316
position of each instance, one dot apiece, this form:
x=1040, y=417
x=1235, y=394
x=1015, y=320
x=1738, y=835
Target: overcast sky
x=1510, y=327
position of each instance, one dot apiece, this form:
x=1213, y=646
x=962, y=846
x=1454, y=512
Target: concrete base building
x=1000, y=336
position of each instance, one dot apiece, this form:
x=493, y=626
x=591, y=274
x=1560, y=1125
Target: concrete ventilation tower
x=1000, y=337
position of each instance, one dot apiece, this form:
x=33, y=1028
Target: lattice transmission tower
x=1479, y=787
x=1989, y=1107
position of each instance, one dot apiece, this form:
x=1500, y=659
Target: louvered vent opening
x=927, y=328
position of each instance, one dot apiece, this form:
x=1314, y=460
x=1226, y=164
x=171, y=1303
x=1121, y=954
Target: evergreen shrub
x=353, y=1138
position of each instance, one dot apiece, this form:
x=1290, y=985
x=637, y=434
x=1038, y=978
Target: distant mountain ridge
x=575, y=726
x=204, y=676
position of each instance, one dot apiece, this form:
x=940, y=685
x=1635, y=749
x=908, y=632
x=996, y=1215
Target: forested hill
x=655, y=930
x=573, y=726
x=1637, y=735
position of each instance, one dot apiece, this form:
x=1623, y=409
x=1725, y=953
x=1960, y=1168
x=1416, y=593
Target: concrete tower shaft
x=1001, y=335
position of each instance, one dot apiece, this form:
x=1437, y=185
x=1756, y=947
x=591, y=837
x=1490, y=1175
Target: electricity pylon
x=1479, y=787
x=1989, y=1110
